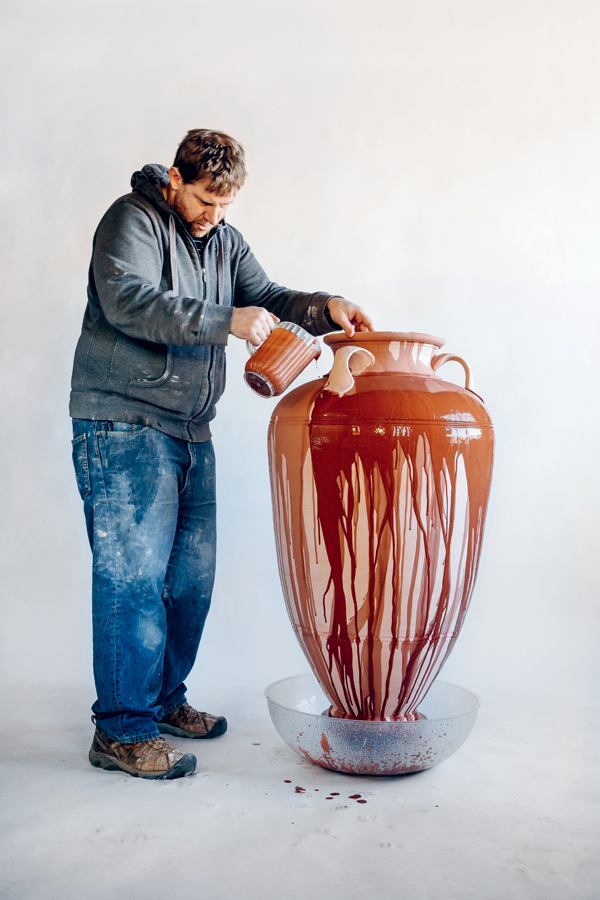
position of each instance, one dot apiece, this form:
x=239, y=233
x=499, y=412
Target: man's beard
x=179, y=207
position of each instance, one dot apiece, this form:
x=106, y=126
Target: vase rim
x=408, y=337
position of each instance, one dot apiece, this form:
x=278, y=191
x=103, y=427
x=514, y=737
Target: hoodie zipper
x=203, y=277
x=210, y=390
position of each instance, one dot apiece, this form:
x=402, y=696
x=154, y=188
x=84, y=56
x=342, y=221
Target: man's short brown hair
x=213, y=155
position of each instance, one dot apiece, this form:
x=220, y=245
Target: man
x=169, y=282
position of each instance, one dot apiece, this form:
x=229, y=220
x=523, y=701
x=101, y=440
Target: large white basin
x=298, y=708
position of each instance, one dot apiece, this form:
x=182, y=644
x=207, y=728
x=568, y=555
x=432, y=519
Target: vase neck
x=393, y=352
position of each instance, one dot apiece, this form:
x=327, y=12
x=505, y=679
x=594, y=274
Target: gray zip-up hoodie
x=152, y=346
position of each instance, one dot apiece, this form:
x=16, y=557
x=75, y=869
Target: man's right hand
x=252, y=323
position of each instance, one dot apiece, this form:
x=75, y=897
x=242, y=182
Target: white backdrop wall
x=435, y=161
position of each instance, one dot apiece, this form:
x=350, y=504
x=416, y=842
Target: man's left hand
x=349, y=316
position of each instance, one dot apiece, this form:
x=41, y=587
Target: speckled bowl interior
x=298, y=708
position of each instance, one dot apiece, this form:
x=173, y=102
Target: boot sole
x=185, y=766
x=219, y=729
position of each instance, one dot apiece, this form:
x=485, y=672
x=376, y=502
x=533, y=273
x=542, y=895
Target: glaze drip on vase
x=380, y=479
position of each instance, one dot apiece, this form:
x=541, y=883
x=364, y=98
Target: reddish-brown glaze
x=379, y=500
x=278, y=361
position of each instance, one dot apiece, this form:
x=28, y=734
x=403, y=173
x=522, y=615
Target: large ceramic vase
x=380, y=477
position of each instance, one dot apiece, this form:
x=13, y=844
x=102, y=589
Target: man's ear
x=175, y=178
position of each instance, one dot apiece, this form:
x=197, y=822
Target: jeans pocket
x=81, y=464
x=125, y=428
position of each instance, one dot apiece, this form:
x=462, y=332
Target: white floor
x=514, y=814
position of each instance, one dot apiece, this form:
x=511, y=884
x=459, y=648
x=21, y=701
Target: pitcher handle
x=348, y=361
x=438, y=361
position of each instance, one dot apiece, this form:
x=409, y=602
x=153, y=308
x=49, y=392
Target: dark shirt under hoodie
x=152, y=346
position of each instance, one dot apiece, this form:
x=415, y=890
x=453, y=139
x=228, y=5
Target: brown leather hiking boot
x=188, y=722
x=144, y=759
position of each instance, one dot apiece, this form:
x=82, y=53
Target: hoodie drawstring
x=220, y=271
x=173, y=256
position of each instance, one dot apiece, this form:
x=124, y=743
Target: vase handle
x=438, y=361
x=348, y=362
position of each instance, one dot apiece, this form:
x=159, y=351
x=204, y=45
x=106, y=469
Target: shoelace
x=191, y=716
x=156, y=745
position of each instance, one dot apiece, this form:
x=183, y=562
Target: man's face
x=197, y=205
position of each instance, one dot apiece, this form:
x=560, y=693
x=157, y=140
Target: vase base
x=334, y=713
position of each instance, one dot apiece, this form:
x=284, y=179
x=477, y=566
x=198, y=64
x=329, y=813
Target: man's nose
x=214, y=214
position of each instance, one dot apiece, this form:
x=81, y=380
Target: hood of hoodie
x=150, y=182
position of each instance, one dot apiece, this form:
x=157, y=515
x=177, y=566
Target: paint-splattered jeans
x=149, y=502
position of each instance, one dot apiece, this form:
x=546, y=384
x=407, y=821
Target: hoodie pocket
x=136, y=363
x=181, y=383
x=155, y=382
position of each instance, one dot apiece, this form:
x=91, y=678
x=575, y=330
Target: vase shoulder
x=392, y=396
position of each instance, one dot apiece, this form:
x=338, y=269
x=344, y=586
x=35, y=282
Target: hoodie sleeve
x=128, y=266
x=253, y=288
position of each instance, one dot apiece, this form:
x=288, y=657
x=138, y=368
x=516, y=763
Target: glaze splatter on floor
x=331, y=794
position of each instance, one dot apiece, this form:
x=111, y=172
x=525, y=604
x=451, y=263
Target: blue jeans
x=149, y=503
